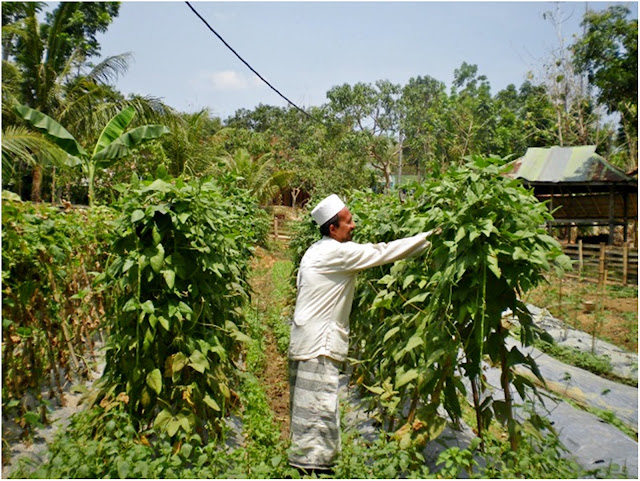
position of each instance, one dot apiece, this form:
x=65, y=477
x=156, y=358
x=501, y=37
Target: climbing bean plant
x=50, y=310
x=424, y=328
x=178, y=283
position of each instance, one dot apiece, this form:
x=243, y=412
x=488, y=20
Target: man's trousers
x=315, y=416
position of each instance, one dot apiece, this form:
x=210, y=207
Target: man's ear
x=332, y=230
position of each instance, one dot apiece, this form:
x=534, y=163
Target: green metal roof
x=566, y=164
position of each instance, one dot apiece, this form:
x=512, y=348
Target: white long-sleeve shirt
x=326, y=283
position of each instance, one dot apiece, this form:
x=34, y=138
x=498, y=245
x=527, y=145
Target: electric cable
x=247, y=64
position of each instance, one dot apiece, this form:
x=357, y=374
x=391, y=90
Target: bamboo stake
x=598, y=319
x=602, y=259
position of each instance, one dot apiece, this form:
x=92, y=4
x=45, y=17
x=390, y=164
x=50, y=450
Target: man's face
x=343, y=232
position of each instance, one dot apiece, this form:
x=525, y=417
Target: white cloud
x=229, y=80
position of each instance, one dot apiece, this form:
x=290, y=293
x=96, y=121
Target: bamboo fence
x=591, y=261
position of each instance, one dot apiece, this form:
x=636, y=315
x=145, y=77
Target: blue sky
x=305, y=48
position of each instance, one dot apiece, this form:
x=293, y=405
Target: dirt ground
x=613, y=313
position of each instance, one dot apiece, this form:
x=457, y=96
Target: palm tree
x=256, y=175
x=190, y=148
x=49, y=55
x=49, y=75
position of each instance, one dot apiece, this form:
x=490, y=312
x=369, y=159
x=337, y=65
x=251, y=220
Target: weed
x=620, y=292
x=600, y=365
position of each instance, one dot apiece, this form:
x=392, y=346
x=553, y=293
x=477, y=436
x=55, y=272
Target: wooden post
x=611, y=216
x=580, y=258
x=275, y=227
x=625, y=262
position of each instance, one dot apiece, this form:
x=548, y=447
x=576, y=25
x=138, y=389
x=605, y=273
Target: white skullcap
x=327, y=208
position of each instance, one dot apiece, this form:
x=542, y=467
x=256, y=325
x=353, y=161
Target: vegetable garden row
x=162, y=275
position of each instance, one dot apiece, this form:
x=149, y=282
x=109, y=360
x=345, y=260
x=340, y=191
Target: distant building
x=581, y=187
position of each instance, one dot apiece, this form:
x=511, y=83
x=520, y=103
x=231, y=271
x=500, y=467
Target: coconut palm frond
x=20, y=144
x=150, y=109
x=10, y=74
x=110, y=68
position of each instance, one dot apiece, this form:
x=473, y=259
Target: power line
x=247, y=64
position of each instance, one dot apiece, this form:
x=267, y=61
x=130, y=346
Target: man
x=320, y=329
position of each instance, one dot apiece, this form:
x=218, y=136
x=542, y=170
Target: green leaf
x=164, y=322
x=198, y=361
x=121, y=147
x=178, y=362
x=123, y=469
x=417, y=299
x=147, y=307
x=436, y=426
x=169, y=277
x=183, y=217
x=127, y=265
x=414, y=342
x=408, y=280
x=374, y=389
x=162, y=419
x=158, y=185
x=57, y=132
x=158, y=260
x=390, y=334
x=492, y=264
x=501, y=410
x=137, y=215
x=211, y=403
x=406, y=377
x=434, y=356
x=172, y=426
x=154, y=380
x=241, y=337
x=486, y=226
x=114, y=129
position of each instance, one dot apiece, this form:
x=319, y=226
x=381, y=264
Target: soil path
x=270, y=303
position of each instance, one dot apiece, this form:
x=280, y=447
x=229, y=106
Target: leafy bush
x=178, y=281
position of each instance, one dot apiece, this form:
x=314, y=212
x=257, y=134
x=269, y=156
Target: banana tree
x=112, y=145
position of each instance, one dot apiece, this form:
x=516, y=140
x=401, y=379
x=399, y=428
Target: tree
x=49, y=54
x=20, y=147
x=257, y=175
x=190, y=148
x=113, y=144
x=371, y=113
x=608, y=54
x=471, y=114
x=423, y=106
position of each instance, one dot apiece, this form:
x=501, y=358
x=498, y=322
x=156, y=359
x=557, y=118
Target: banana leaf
x=52, y=129
x=114, y=129
x=121, y=147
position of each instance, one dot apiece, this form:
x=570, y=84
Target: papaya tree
x=113, y=143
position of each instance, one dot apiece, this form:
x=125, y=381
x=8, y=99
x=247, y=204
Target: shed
x=580, y=186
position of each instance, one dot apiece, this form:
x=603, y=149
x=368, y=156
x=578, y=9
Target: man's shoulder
x=331, y=247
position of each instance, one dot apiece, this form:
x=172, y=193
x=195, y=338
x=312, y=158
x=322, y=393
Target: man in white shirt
x=320, y=330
